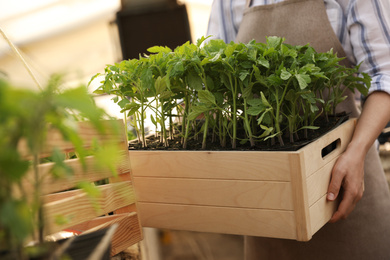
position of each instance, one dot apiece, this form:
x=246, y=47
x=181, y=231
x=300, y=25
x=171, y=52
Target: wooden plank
x=127, y=234
x=300, y=200
x=321, y=212
x=252, y=222
x=243, y=165
x=78, y=207
x=317, y=183
x=125, y=177
x=86, y=132
x=92, y=173
x=233, y=193
x=312, y=152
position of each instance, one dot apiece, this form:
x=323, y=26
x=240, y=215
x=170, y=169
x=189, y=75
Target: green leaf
x=264, y=117
x=60, y=168
x=290, y=96
x=93, y=193
x=309, y=127
x=247, y=93
x=197, y=111
x=17, y=217
x=229, y=50
x=79, y=99
x=107, y=157
x=12, y=165
x=99, y=92
x=89, y=188
x=206, y=97
x=154, y=122
x=62, y=220
x=217, y=57
x=123, y=102
x=165, y=95
x=157, y=49
x=271, y=136
x=285, y=75
x=93, y=78
x=255, y=110
x=254, y=102
x=274, y=42
x=194, y=81
x=263, y=62
x=267, y=131
x=246, y=65
x=274, y=80
x=210, y=83
x=201, y=40
x=131, y=107
x=225, y=81
x=252, y=54
x=264, y=100
x=243, y=74
x=114, y=68
x=303, y=80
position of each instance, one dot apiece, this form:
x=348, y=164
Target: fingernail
x=330, y=196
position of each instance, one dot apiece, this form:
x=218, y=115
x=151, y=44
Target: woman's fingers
x=348, y=174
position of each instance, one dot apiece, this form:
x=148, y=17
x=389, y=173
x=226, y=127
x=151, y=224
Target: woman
x=360, y=31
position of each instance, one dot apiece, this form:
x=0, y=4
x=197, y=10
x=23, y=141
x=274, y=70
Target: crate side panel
x=233, y=193
x=321, y=212
x=317, y=183
x=300, y=197
x=252, y=222
x=312, y=152
x=272, y=166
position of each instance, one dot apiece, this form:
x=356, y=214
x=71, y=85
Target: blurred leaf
x=206, y=97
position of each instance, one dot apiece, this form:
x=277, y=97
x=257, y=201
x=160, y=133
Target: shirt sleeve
x=225, y=17
x=215, y=24
x=368, y=23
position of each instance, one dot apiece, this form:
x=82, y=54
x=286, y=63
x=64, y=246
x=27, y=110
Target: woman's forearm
x=348, y=171
x=375, y=115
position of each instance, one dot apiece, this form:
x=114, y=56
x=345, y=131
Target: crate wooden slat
x=128, y=223
x=52, y=184
x=224, y=193
x=86, y=132
x=74, y=205
x=161, y=164
x=77, y=207
x=225, y=220
x=271, y=194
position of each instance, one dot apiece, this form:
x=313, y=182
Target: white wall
x=198, y=15
x=67, y=36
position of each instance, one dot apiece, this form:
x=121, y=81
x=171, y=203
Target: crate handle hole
x=330, y=148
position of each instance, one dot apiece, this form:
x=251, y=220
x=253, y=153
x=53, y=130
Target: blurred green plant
x=27, y=115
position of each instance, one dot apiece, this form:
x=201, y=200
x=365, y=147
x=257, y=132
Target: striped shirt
x=362, y=26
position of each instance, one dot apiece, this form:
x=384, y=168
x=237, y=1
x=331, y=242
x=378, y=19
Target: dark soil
x=154, y=143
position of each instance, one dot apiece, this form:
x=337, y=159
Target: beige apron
x=366, y=232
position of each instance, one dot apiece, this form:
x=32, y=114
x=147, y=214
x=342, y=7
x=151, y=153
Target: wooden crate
x=116, y=203
x=268, y=194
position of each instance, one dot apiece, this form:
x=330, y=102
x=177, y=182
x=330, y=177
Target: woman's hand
x=348, y=171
